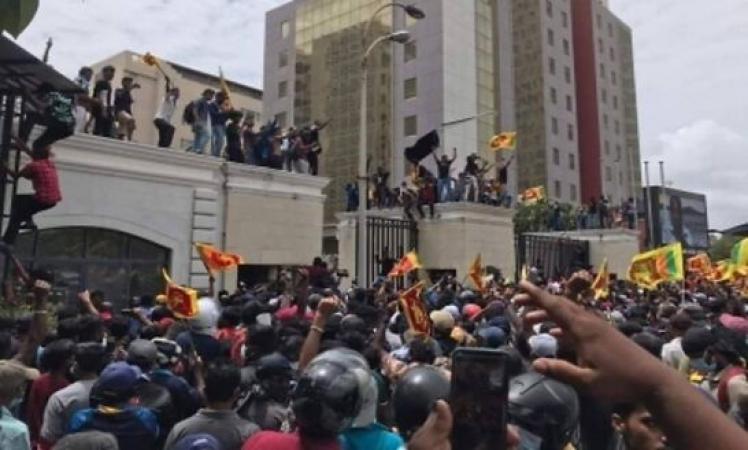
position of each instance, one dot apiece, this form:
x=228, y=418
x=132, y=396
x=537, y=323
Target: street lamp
x=412, y=11
x=399, y=37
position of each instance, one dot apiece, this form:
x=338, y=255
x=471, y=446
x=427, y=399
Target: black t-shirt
x=122, y=101
x=105, y=87
x=443, y=167
x=471, y=168
x=233, y=136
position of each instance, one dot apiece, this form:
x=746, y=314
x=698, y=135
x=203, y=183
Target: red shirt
x=41, y=389
x=266, y=440
x=43, y=175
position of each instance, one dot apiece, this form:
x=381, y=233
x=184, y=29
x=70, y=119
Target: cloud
x=203, y=34
x=708, y=158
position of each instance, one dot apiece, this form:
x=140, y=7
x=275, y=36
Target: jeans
x=202, y=137
x=24, y=208
x=218, y=138
x=444, y=189
x=165, y=132
x=103, y=123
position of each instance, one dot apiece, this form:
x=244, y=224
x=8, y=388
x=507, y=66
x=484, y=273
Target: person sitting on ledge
x=43, y=175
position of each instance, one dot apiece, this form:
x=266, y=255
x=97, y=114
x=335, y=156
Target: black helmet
x=544, y=407
x=327, y=398
x=273, y=364
x=415, y=394
x=467, y=296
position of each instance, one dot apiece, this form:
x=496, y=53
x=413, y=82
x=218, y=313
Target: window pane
x=61, y=242
x=410, y=51
x=110, y=278
x=144, y=250
x=411, y=88
x=105, y=244
x=411, y=125
x=145, y=279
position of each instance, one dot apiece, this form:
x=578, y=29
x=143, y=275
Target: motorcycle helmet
x=415, y=394
x=545, y=408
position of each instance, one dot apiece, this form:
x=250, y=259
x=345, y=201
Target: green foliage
x=16, y=15
x=722, y=247
x=538, y=217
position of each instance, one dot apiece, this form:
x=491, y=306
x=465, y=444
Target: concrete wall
x=174, y=199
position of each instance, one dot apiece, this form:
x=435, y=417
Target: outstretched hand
x=608, y=365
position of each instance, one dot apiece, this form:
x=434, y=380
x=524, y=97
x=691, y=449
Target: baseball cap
x=117, y=382
x=141, y=351
x=198, y=442
x=471, y=310
x=493, y=337
x=168, y=351
x=543, y=345
x=13, y=375
x=442, y=320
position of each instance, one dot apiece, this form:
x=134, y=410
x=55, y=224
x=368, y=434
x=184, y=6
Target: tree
x=16, y=15
x=722, y=247
x=538, y=217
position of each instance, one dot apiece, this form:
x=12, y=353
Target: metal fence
x=388, y=240
x=554, y=256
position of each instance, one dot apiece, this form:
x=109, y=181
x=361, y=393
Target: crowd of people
x=218, y=129
x=299, y=363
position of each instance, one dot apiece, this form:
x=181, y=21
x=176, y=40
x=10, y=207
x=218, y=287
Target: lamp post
x=400, y=37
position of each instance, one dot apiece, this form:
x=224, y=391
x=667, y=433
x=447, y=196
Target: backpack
x=188, y=115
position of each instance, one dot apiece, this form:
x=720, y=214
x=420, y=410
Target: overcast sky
x=691, y=68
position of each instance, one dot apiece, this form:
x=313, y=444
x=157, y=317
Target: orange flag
x=216, y=260
x=699, y=264
x=407, y=264
x=182, y=301
x=602, y=281
x=475, y=272
x=414, y=310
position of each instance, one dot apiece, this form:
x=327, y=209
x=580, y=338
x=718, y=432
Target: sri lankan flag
x=722, y=271
x=407, y=264
x=182, y=301
x=699, y=264
x=504, y=141
x=475, y=272
x=739, y=254
x=533, y=195
x=215, y=260
x=601, y=283
x=414, y=311
x=652, y=268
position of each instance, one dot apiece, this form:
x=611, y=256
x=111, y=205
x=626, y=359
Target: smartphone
x=478, y=399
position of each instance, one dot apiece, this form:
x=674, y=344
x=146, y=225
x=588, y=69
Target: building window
x=604, y=95
x=410, y=125
x=566, y=47
x=607, y=148
x=602, y=71
x=612, y=54
x=573, y=192
x=605, y=121
x=551, y=37
x=549, y=8
x=557, y=189
x=121, y=265
x=282, y=89
x=618, y=153
x=567, y=74
x=570, y=132
x=410, y=51
x=615, y=102
x=572, y=162
x=285, y=29
x=608, y=174
x=282, y=119
x=552, y=66
x=554, y=125
x=599, y=21
x=617, y=127
x=610, y=30
x=613, y=77
x=283, y=58
x=600, y=46
x=564, y=19
x=556, y=157
x=411, y=88
x=553, y=95
x=569, y=105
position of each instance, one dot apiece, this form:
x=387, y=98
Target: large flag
x=652, y=268
x=225, y=87
x=533, y=195
x=722, y=271
x=182, y=301
x=699, y=264
x=504, y=141
x=215, y=260
x=602, y=281
x=407, y=264
x=414, y=310
x=424, y=146
x=739, y=254
x=475, y=272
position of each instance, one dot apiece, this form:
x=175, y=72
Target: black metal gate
x=388, y=240
x=554, y=256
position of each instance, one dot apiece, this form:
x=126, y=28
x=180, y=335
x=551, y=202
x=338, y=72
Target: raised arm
x=454, y=155
x=38, y=329
x=311, y=345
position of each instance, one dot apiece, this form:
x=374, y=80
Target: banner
x=407, y=264
x=504, y=141
x=652, y=268
x=216, y=260
x=414, y=310
x=533, y=195
x=739, y=254
x=182, y=301
x=475, y=272
x=601, y=283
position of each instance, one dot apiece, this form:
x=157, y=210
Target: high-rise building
x=472, y=68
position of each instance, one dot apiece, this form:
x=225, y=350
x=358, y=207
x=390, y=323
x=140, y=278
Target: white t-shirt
x=672, y=353
x=167, y=108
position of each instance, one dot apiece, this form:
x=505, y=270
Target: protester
x=123, y=109
x=218, y=110
x=234, y=150
x=14, y=434
x=102, y=109
x=43, y=175
x=197, y=115
x=83, y=100
x=52, y=110
x=162, y=121
x=444, y=182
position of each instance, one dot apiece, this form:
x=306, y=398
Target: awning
x=20, y=69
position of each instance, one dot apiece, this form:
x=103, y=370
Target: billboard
x=679, y=216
